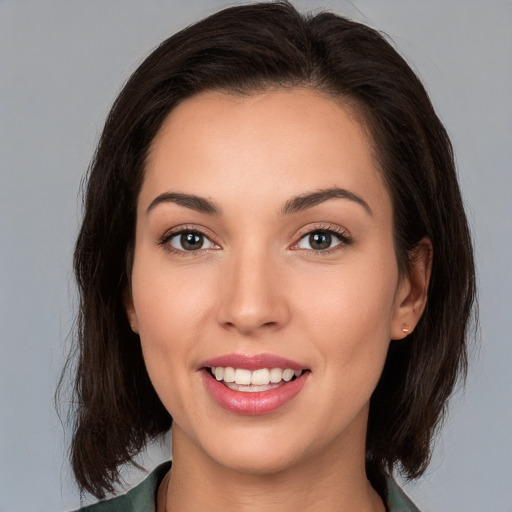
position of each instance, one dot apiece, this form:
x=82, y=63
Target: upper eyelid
x=331, y=228
x=187, y=229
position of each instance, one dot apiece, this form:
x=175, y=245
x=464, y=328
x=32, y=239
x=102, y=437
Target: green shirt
x=142, y=498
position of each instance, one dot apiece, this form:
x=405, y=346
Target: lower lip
x=253, y=403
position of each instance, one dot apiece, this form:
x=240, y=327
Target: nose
x=252, y=294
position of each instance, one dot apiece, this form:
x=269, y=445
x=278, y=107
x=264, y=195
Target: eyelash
x=341, y=234
x=166, y=239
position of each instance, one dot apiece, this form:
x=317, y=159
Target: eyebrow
x=294, y=205
x=305, y=201
x=197, y=203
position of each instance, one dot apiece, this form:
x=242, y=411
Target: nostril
x=248, y=325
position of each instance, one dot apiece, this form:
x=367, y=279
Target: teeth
x=243, y=376
x=288, y=375
x=276, y=375
x=229, y=375
x=259, y=377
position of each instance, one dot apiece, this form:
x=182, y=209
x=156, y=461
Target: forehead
x=266, y=145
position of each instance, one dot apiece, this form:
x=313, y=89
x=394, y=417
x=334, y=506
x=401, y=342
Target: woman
x=267, y=261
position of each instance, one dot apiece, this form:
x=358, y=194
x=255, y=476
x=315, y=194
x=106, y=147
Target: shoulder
x=139, y=499
x=398, y=501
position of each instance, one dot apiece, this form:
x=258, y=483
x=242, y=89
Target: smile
x=253, y=385
x=250, y=385
x=263, y=379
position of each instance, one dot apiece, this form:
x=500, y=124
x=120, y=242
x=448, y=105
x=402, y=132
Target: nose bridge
x=250, y=294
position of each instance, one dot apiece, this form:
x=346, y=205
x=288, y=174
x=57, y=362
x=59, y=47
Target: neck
x=327, y=482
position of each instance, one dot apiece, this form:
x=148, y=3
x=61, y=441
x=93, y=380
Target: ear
x=411, y=297
x=129, y=307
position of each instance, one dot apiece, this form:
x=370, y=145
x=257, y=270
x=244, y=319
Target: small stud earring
x=405, y=330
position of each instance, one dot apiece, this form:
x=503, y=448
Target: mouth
x=253, y=385
x=253, y=381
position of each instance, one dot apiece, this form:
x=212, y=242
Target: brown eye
x=321, y=240
x=190, y=241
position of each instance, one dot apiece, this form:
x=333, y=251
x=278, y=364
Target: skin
x=256, y=286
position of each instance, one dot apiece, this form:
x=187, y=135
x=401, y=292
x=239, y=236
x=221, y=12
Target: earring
x=405, y=330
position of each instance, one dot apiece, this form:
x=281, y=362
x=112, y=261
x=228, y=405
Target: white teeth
x=288, y=375
x=229, y=374
x=276, y=375
x=243, y=376
x=253, y=379
x=260, y=377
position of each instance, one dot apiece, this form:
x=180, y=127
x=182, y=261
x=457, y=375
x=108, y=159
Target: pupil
x=191, y=241
x=320, y=240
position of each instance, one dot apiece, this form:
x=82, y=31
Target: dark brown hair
x=242, y=50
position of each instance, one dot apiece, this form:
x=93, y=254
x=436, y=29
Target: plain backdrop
x=62, y=63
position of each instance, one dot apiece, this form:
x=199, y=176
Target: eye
x=322, y=240
x=190, y=241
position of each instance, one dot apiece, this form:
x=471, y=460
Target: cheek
x=349, y=299
x=169, y=299
x=171, y=305
x=348, y=313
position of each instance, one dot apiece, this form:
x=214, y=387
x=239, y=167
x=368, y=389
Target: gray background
x=62, y=63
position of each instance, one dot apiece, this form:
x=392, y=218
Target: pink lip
x=252, y=403
x=256, y=403
x=252, y=362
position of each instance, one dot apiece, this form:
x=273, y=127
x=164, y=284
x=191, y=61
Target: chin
x=255, y=451
x=258, y=462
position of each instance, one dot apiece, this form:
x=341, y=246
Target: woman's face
x=264, y=249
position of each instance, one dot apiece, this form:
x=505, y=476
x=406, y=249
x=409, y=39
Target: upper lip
x=252, y=362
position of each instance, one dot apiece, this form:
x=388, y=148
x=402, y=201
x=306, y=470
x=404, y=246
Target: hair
x=244, y=50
